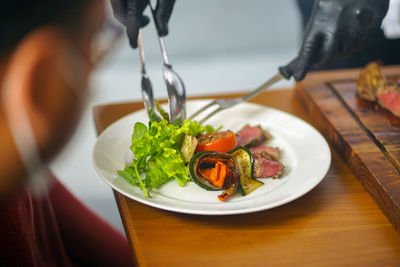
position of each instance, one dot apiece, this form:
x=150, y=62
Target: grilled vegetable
x=213, y=170
x=188, y=147
x=244, y=161
x=230, y=171
x=228, y=192
x=217, y=141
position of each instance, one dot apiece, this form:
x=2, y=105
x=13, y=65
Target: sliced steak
x=251, y=136
x=264, y=168
x=266, y=159
x=266, y=162
x=389, y=98
x=267, y=152
x=374, y=86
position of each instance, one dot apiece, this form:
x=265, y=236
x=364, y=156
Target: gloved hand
x=336, y=28
x=130, y=14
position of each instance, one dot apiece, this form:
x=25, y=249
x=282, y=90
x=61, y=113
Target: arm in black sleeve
x=336, y=28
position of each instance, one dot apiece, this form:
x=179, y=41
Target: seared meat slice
x=373, y=86
x=370, y=81
x=266, y=159
x=264, y=168
x=266, y=162
x=267, y=152
x=389, y=98
x=250, y=136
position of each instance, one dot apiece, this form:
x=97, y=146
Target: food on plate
x=213, y=159
x=215, y=171
x=267, y=152
x=230, y=172
x=189, y=146
x=245, y=162
x=250, y=136
x=157, y=154
x=266, y=162
x=222, y=141
x=373, y=86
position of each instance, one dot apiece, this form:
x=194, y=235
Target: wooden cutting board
x=365, y=135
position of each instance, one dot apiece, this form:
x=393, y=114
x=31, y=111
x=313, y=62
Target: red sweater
x=57, y=230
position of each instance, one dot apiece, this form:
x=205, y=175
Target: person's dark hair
x=19, y=17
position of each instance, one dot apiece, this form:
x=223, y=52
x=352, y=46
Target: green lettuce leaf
x=157, y=152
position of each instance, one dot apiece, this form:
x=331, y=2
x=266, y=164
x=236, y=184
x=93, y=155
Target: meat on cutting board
x=389, y=98
x=374, y=86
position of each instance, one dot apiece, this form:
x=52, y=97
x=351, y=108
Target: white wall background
x=215, y=46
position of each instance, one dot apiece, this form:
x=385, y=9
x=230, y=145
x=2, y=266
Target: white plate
x=304, y=151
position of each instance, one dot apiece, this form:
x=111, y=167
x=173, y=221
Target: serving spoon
x=147, y=88
x=175, y=85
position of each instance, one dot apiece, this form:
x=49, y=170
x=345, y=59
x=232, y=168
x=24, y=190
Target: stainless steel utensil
x=147, y=88
x=228, y=103
x=175, y=85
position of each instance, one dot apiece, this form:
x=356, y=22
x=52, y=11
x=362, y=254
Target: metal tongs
x=222, y=104
x=147, y=88
x=175, y=85
x=176, y=88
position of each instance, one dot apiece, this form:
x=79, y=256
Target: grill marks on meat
x=373, y=86
x=266, y=162
x=250, y=136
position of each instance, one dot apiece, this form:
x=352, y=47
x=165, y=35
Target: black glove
x=130, y=14
x=336, y=28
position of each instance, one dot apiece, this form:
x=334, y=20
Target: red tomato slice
x=219, y=141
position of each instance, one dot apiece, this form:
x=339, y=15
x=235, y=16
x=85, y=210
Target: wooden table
x=337, y=223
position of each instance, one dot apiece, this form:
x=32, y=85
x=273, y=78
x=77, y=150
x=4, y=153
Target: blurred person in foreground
x=336, y=28
x=45, y=62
